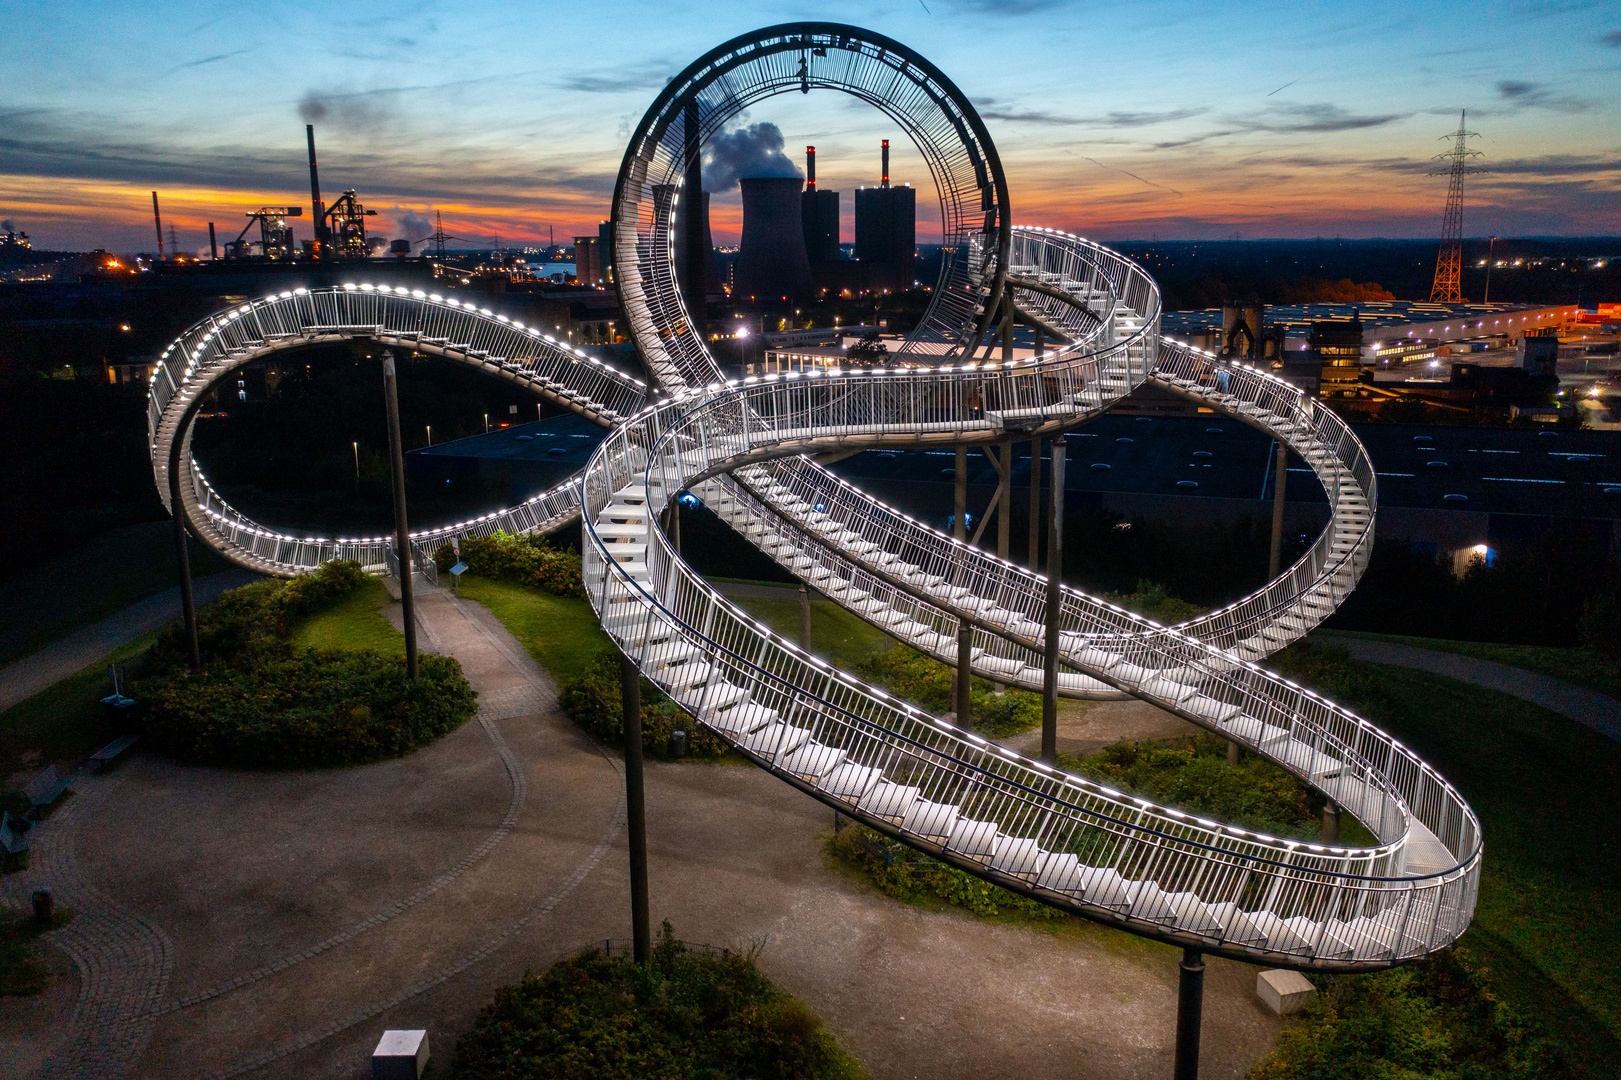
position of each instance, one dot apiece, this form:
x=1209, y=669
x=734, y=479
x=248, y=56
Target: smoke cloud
x=345, y=110
x=746, y=153
x=410, y=225
x=8, y=225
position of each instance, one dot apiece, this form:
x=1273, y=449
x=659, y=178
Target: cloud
x=1108, y=120
x=598, y=81
x=1525, y=95
x=206, y=60
x=746, y=152
x=1285, y=118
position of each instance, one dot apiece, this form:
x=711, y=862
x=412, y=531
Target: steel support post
x=1281, y=476
x=1055, y=579
x=804, y=618
x=1034, y=550
x=965, y=635
x=630, y=694
x=672, y=523
x=1007, y=323
x=182, y=558
x=1189, y=1007
x=1233, y=751
x=1004, y=508
x=1331, y=822
x=402, y=536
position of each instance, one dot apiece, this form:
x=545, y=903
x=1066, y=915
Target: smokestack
x=157, y=223
x=315, y=187
x=213, y=252
x=810, y=168
x=772, y=263
x=885, y=181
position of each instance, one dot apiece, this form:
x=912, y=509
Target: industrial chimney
x=772, y=263
x=885, y=181
x=317, y=207
x=819, y=211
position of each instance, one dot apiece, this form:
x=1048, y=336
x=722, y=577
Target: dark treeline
x=1203, y=274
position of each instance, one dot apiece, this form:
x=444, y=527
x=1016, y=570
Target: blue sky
x=1116, y=120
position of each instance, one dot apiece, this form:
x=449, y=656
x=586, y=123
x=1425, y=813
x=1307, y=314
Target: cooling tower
x=772, y=263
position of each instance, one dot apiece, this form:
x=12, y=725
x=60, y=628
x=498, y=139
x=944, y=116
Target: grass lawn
x=836, y=635
x=356, y=622
x=560, y=632
x=1581, y=666
x=91, y=582
x=64, y=722
x=1545, y=789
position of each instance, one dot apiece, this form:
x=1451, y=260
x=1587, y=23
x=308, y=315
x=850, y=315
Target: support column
x=672, y=523
x=804, y=618
x=177, y=514
x=1331, y=822
x=1034, y=550
x=1275, y=564
x=1189, y=1007
x=959, y=503
x=1004, y=508
x=402, y=537
x=965, y=634
x=1233, y=751
x=630, y=694
x=1007, y=323
x=1055, y=579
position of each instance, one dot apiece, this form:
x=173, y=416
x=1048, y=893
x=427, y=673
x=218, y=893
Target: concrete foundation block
x=1284, y=991
x=400, y=1055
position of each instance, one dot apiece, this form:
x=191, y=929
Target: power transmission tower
x=1449, y=263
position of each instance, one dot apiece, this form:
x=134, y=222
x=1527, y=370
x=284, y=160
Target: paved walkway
x=273, y=924
x=1586, y=707
x=72, y=654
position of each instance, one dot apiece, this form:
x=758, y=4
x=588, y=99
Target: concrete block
x=400, y=1055
x=1284, y=991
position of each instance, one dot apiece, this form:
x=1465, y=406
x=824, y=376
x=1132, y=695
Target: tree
x=870, y=351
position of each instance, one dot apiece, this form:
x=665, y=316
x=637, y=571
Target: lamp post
x=356, y=445
x=1491, y=247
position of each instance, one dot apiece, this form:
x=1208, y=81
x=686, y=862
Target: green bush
x=1151, y=601
x=1190, y=772
x=686, y=1014
x=592, y=700
x=930, y=685
x=915, y=878
x=527, y=560
x=262, y=702
x=1434, y=1020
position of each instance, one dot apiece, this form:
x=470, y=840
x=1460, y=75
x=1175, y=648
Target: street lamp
x=1490, y=247
x=356, y=445
x=430, y=434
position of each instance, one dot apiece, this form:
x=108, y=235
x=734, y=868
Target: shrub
x=1151, y=601
x=915, y=878
x=262, y=702
x=526, y=560
x=592, y=700
x=686, y=1014
x=1190, y=772
x=1434, y=1019
x=930, y=684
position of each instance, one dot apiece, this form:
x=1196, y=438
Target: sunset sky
x=1116, y=120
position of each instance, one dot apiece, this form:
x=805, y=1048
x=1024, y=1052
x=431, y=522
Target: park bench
x=46, y=788
x=108, y=755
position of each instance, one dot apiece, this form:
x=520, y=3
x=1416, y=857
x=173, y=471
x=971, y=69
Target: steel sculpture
x=744, y=447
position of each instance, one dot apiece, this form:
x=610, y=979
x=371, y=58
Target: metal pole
x=1007, y=324
x=804, y=617
x=1331, y=823
x=1034, y=550
x=965, y=634
x=630, y=693
x=1055, y=578
x=402, y=537
x=188, y=603
x=1275, y=562
x=1004, y=509
x=1189, y=1007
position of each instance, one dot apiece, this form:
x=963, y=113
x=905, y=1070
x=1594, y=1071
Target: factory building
x=886, y=229
x=819, y=212
x=588, y=260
